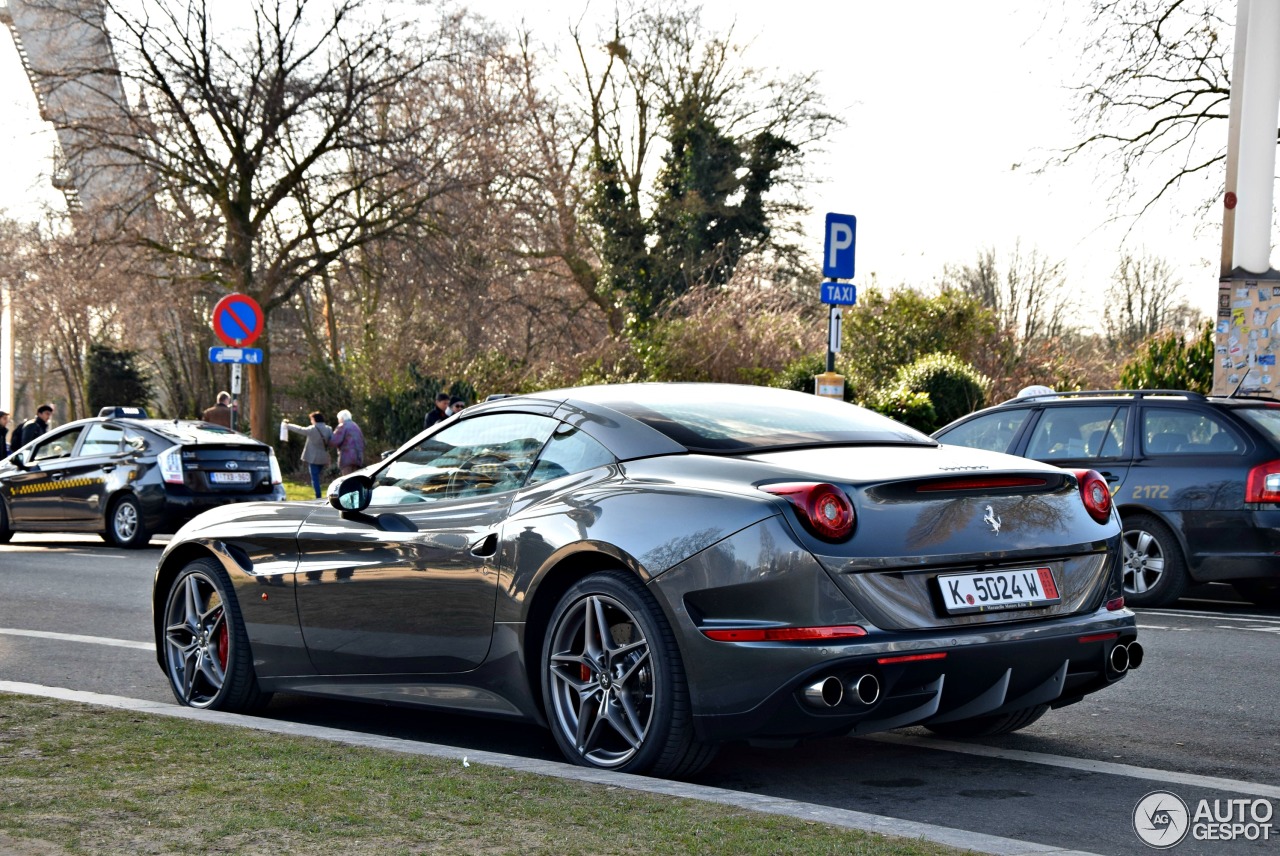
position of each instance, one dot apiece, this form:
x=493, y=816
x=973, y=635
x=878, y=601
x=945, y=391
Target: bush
x=952, y=385
x=1171, y=361
x=909, y=408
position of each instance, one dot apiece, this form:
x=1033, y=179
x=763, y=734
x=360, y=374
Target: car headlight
x=170, y=461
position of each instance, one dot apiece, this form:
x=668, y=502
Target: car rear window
x=710, y=418
x=1265, y=419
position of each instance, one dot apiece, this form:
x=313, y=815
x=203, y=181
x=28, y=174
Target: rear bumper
x=972, y=673
x=170, y=510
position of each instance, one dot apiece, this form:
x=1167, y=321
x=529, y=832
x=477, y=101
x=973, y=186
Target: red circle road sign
x=237, y=320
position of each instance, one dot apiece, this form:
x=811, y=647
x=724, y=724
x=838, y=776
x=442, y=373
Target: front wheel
x=6, y=532
x=989, y=726
x=1155, y=574
x=614, y=683
x=206, y=648
x=125, y=527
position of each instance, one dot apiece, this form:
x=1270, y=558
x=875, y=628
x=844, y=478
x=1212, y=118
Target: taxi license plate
x=231, y=478
x=1022, y=588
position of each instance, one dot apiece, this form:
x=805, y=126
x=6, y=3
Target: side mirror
x=351, y=493
x=19, y=460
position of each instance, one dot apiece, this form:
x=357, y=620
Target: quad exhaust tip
x=1125, y=657
x=831, y=692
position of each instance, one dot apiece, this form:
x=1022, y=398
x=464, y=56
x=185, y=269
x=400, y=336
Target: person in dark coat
x=220, y=413
x=4, y=434
x=438, y=413
x=33, y=427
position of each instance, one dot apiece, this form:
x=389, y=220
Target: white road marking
x=73, y=637
x=1108, y=767
x=1211, y=616
x=847, y=818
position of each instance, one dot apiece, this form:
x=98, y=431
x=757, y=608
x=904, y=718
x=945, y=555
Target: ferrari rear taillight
x=783, y=634
x=1096, y=494
x=824, y=508
x=1264, y=483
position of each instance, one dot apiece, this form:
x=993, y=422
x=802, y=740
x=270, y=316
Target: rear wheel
x=1261, y=592
x=1155, y=574
x=989, y=726
x=206, y=648
x=125, y=527
x=614, y=683
x=5, y=532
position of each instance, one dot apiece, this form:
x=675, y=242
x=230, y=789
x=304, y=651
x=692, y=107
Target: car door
x=409, y=585
x=1193, y=471
x=1084, y=436
x=84, y=486
x=39, y=494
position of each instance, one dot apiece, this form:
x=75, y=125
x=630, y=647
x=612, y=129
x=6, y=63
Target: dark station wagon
x=1196, y=478
x=129, y=478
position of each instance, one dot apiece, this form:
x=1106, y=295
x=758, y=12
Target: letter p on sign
x=837, y=255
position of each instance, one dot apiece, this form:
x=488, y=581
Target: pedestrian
x=439, y=412
x=33, y=427
x=316, y=450
x=348, y=439
x=457, y=405
x=221, y=413
x=4, y=434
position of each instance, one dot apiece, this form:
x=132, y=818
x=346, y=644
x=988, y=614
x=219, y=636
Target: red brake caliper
x=222, y=644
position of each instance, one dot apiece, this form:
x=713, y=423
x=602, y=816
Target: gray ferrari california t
x=651, y=570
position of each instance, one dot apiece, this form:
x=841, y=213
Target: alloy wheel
x=196, y=640
x=1143, y=561
x=602, y=685
x=125, y=522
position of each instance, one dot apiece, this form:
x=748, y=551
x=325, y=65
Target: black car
x=1196, y=478
x=654, y=569
x=129, y=478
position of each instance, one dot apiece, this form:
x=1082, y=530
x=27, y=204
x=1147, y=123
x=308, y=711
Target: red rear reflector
x=911, y=658
x=1099, y=637
x=785, y=634
x=1115, y=604
x=980, y=483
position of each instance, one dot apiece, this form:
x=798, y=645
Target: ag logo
x=1161, y=819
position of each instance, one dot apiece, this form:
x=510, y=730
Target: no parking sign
x=237, y=320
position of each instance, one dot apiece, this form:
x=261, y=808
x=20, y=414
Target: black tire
x=1264, y=593
x=989, y=726
x=1155, y=572
x=125, y=526
x=206, y=649
x=6, y=533
x=636, y=677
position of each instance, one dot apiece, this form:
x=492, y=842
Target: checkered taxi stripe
x=45, y=487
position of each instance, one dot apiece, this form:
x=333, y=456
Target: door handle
x=108, y=468
x=486, y=546
x=57, y=476
x=1111, y=477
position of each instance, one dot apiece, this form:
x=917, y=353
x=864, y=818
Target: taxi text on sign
x=838, y=246
x=839, y=293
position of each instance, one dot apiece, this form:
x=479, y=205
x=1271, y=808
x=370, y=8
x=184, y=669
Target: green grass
x=300, y=490
x=79, y=779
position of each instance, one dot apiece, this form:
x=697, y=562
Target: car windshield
x=728, y=418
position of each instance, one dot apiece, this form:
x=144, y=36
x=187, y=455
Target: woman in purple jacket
x=348, y=439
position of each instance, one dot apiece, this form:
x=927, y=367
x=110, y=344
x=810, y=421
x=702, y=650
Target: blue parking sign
x=837, y=247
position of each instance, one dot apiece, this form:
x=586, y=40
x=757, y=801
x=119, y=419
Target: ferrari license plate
x=1022, y=588
x=231, y=478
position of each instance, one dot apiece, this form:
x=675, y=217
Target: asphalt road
x=75, y=614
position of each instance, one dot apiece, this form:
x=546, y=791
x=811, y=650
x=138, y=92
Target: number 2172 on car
x=1020, y=588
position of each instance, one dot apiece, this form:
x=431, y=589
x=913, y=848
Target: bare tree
x=292, y=138
x=1155, y=86
x=1029, y=298
x=1144, y=298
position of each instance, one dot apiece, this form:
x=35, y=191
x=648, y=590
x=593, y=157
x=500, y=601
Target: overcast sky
x=949, y=109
